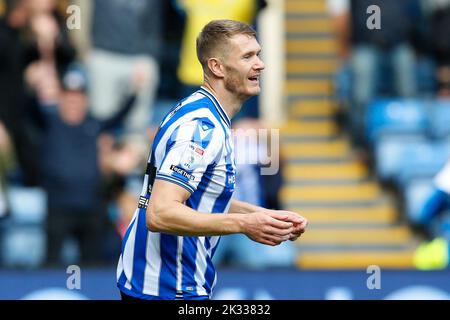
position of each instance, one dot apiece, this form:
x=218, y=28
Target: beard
x=235, y=83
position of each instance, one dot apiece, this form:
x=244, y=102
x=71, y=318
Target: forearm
x=117, y=119
x=243, y=207
x=177, y=218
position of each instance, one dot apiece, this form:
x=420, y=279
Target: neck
x=229, y=101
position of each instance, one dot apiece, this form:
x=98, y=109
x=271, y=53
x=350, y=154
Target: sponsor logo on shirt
x=196, y=148
x=143, y=202
x=192, y=156
x=182, y=172
x=200, y=151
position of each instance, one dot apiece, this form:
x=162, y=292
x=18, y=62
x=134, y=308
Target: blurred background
x=360, y=94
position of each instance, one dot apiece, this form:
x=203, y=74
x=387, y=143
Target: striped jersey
x=193, y=148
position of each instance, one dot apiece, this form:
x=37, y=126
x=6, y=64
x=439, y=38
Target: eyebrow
x=252, y=52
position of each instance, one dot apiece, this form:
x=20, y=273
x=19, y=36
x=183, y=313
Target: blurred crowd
x=406, y=57
x=79, y=108
x=394, y=89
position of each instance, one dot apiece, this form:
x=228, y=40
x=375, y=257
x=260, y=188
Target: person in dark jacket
x=70, y=169
x=25, y=37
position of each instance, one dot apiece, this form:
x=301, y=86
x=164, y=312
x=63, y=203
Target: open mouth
x=254, y=79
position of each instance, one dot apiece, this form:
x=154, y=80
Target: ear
x=216, y=67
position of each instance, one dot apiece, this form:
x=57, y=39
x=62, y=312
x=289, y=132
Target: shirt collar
x=217, y=104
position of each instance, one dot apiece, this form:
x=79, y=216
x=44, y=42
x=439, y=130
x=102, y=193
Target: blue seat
x=28, y=205
x=425, y=161
x=395, y=116
x=440, y=118
x=391, y=153
x=415, y=193
x=23, y=234
x=23, y=246
x=400, y=158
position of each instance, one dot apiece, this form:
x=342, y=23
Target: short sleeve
x=191, y=148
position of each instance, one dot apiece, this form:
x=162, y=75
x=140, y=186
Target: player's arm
x=243, y=207
x=167, y=213
x=300, y=223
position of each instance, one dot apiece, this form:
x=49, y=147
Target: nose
x=260, y=64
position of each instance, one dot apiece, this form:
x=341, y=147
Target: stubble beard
x=234, y=84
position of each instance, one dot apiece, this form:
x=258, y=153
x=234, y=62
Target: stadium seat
x=415, y=193
x=400, y=158
x=426, y=162
x=440, y=118
x=28, y=205
x=23, y=238
x=395, y=116
x=23, y=246
x=425, y=75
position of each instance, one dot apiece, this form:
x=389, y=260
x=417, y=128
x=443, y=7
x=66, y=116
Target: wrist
x=239, y=223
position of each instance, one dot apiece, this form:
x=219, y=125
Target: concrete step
x=309, y=129
x=319, y=25
x=310, y=66
x=356, y=235
x=358, y=192
x=311, y=46
x=356, y=259
x=326, y=149
x=352, y=170
x=309, y=86
x=305, y=6
x=377, y=214
x=313, y=108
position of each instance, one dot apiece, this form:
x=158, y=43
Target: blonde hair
x=215, y=35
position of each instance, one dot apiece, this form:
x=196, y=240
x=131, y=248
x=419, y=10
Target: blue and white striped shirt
x=193, y=149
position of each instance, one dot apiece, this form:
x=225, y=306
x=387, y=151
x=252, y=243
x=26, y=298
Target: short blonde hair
x=216, y=34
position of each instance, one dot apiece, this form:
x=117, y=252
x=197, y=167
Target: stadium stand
x=353, y=221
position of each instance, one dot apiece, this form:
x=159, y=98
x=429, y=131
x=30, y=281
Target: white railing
x=272, y=37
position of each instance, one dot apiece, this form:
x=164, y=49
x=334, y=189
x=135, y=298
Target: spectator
x=14, y=58
x=51, y=36
x=120, y=46
x=439, y=199
x=435, y=254
x=372, y=51
x=438, y=13
x=19, y=46
x=70, y=171
x=118, y=162
x=6, y=163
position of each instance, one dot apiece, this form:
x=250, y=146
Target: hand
x=140, y=76
x=262, y=228
x=5, y=141
x=46, y=30
x=299, y=223
x=125, y=160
